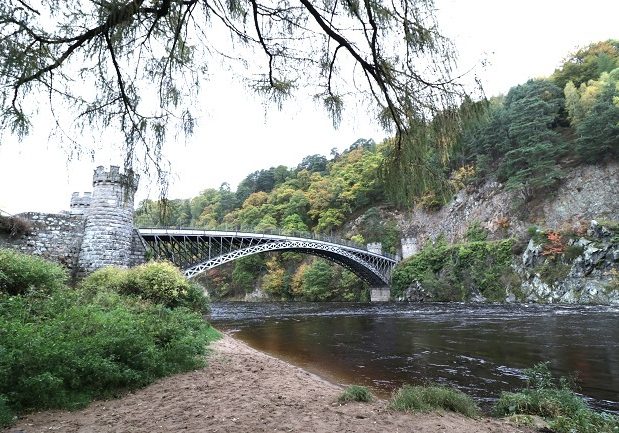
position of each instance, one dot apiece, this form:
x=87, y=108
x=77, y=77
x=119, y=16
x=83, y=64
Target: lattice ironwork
x=196, y=251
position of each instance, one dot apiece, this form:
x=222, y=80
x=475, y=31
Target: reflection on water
x=481, y=349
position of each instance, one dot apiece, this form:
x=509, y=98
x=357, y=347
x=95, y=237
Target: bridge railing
x=279, y=232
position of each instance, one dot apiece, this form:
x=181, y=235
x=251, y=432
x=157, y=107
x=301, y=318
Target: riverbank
x=243, y=390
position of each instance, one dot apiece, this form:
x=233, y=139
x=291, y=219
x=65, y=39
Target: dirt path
x=243, y=390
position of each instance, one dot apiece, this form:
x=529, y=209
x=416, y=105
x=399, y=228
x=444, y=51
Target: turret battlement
x=108, y=230
x=79, y=203
x=114, y=176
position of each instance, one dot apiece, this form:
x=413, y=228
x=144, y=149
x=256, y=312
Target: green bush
x=355, y=393
x=63, y=350
x=572, y=252
x=476, y=233
x=432, y=397
x=555, y=401
x=6, y=414
x=108, y=278
x=158, y=282
x=454, y=272
x=22, y=273
x=553, y=270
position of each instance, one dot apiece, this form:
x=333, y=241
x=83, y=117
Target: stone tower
x=108, y=229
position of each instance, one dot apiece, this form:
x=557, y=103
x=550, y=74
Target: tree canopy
x=136, y=65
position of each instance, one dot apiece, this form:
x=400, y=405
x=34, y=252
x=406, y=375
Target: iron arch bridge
x=196, y=251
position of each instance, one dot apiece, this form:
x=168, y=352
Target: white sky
x=235, y=136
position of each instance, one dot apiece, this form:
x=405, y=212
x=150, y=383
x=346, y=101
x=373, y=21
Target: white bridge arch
x=196, y=251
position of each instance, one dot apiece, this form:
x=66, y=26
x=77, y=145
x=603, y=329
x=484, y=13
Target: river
x=480, y=349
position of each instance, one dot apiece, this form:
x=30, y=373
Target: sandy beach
x=243, y=390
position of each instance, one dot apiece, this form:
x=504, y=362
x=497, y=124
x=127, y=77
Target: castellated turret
x=80, y=203
x=109, y=219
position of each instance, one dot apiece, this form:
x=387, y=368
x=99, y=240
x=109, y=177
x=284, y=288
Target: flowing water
x=480, y=349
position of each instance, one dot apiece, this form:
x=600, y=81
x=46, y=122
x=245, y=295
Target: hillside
x=537, y=163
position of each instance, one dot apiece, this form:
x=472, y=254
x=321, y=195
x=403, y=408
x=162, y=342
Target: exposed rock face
x=490, y=205
x=587, y=192
x=257, y=295
x=593, y=276
x=589, y=275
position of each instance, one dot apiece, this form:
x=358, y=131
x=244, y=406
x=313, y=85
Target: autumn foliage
x=554, y=245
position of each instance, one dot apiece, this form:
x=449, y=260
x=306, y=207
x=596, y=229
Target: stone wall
x=57, y=237
x=380, y=294
x=80, y=203
x=98, y=230
x=137, y=254
x=409, y=247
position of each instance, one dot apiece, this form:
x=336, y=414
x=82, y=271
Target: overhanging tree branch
x=108, y=57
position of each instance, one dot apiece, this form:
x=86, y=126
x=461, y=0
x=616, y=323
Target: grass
x=356, y=393
x=433, y=397
x=557, y=403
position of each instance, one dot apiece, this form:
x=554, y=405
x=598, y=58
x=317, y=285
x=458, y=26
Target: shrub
x=554, y=400
x=195, y=299
x=431, y=201
x=554, y=244
x=476, y=233
x=63, y=350
x=21, y=273
x=108, y=278
x=572, y=252
x=158, y=282
x=356, y=393
x=453, y=272
x=552, y=271
x=15, y=226
x=433, y=397
x=6, y=415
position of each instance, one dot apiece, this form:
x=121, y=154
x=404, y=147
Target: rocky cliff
x=566, y=241
x=587, y=193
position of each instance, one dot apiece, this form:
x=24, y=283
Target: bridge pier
x=380, y=294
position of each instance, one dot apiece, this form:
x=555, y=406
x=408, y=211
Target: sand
x=243, y=390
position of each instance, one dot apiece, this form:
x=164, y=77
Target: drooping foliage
x=140, y=63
